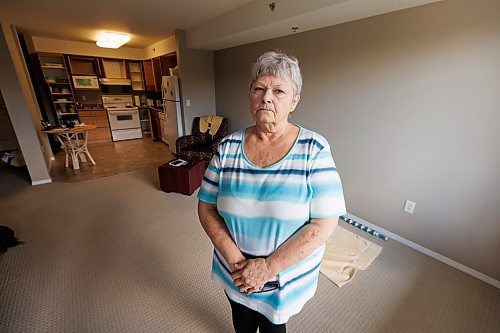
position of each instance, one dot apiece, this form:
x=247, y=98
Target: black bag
x=7, y=239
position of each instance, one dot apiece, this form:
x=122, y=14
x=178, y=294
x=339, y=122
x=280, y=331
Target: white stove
x=123, y=117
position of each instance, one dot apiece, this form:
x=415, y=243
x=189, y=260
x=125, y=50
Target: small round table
x=72, y=144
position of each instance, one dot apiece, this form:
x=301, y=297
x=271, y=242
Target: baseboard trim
x=40, y=182
x=430, y=253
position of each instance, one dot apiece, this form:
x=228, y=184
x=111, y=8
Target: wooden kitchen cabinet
x=79, y=65
x=149, y=76
x=154, y=69
x=98, y=118
x=135, y=73
x=155, y=125
x=168, y=61
x=114, y=68
x=157, y=73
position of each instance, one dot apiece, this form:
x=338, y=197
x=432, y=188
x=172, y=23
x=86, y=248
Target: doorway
x=12, y=163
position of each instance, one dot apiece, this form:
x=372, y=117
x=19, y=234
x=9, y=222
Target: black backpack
x=7, y=239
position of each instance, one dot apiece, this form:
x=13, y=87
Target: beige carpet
x=345, y=254
x=116, y=254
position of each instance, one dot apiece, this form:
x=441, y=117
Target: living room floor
x=113, y=158
x=117, y=254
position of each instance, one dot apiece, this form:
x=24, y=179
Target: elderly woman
x=269, y=200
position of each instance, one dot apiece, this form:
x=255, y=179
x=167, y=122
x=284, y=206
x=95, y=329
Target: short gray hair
x=281, y=65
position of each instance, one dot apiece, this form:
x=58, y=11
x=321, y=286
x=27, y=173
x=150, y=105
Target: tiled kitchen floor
x=113, y=158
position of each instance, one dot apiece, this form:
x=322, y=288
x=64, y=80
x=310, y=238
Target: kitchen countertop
x=101, y=108
x=92, y=109
x=155, y=108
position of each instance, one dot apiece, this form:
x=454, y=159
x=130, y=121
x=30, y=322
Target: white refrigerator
x=173, y=125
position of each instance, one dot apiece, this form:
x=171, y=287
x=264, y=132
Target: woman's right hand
x=251, y=275
x=238, y=259
x=216, y=229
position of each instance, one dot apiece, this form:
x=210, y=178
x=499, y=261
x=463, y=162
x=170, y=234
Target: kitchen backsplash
x=90, y=97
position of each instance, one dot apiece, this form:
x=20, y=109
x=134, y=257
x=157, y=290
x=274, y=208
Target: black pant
x=246, y=320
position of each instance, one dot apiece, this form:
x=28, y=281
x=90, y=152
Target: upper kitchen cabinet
x=157, y=67
x=136, y=77
x=149, y=77
x=152, y=74
x=157, y=73
x=168, y=62
x=114, y=68
x=79, y=65
x=115, y=80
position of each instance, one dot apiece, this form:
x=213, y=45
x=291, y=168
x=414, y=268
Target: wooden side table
x=181, y=179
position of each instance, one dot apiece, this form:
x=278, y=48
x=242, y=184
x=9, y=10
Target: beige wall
x=410, y=102
x=255, y=22
x=196, y=75
x=21, y=104
x=165, y=46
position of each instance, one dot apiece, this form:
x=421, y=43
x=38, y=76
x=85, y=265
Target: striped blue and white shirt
x=264, y=206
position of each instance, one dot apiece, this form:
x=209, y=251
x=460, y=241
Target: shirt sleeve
x=210, y=183
x=327, y=195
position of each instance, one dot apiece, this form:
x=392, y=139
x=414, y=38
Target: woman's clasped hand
x=251, y=275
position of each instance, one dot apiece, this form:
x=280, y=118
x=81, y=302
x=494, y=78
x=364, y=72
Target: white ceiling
x=210, y=24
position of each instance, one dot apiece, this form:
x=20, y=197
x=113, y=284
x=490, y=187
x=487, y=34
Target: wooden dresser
x=99, y=118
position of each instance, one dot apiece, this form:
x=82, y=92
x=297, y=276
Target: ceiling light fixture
x=112, y=40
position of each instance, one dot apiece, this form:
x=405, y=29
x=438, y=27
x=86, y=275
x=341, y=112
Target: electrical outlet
x=188, y=102
x=409, y=206
x=84, y=98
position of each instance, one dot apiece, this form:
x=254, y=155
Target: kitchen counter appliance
x=123, y=117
